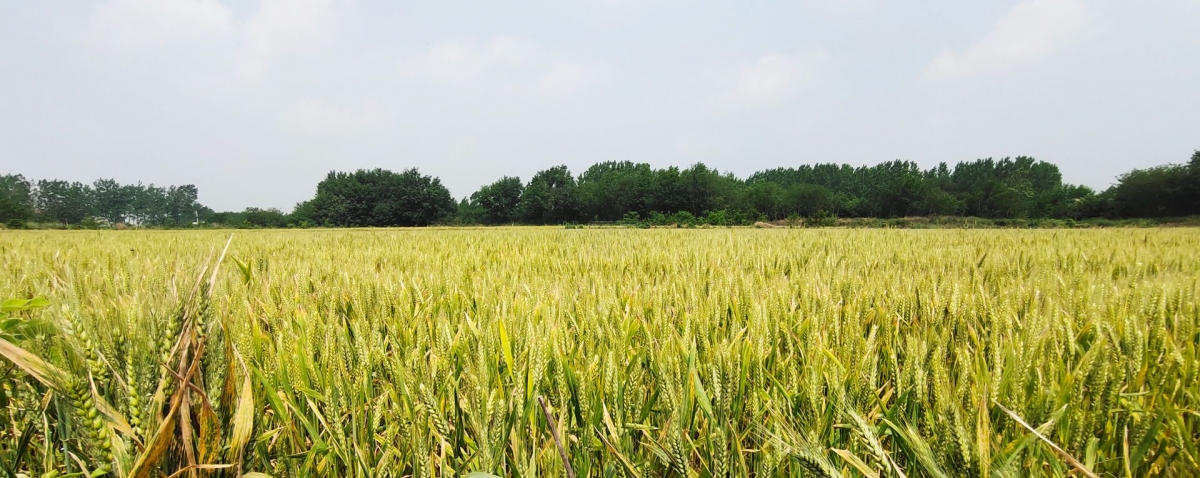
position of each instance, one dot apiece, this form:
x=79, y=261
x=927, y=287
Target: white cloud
x=282, y=26
x=315, y=116
x=183, y=26
x=463, y=62
x=772, y=79
x=1033, y=29
x=567, y=79
x=124, y=24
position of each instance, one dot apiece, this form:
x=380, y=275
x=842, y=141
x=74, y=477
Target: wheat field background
x=690, y=353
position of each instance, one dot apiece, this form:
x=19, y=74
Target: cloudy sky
x=255, y=101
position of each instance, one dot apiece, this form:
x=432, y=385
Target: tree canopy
x=1008, y=188
x=378, y=197
x=498, y=201
x=68, y=202
x=612, y=191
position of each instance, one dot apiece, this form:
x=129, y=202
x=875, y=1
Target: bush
x=716, y=218
x=683, y=219
x=821, y=219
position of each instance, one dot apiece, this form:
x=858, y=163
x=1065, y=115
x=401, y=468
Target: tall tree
x=669, y=193
x=766, y=198
x=1192, y=188
x=804, y=199
x=704, y=189
x=182, y=203
x=551, y=197
x=149, y=204
x=1152, y=192
x=498, y=201
x=609, y=190
x=62, y=201
x=16, y=198
x=380, y=197
x=110, y=200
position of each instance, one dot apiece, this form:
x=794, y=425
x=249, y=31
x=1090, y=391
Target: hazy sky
x=255, y=101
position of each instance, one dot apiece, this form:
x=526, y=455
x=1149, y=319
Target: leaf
x=983, y=432
x=158, y=445
x=853, y=460
x=243, y=418
x=474, y=474
x=919, y=447
x=9, y=324
x=1061, y=453
x=701, y=395
x=21, y=305
x=244, y=267
x=629, y=468
x=13, y=305
x=33, y=365
x=192, y=468
x=210, y=435
x=504, y=344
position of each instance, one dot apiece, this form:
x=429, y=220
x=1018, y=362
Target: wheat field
x=687, y=353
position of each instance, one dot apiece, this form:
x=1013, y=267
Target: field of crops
x=698, y=353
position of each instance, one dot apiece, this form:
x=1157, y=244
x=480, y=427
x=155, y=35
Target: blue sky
x=254, y=101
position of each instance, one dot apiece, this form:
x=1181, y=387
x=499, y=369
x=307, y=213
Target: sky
x=255, y=102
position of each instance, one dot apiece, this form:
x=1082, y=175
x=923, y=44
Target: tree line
x=1009, y=188
x=103, y=201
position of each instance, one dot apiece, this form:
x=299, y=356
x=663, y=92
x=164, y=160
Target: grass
x=699, y=353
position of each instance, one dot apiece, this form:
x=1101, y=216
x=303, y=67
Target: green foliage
x=90, y=206
x=609, y=190
x=62, y=201
x=1163, y=191
x=551, y=197
x=498, y=202
x=379, y=197
x=1008, y=189
x=16, y=199
x=253, y=217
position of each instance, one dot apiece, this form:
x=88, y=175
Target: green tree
x=16, y=199
x=808, y=200
x=469, y=212
x=498, y=202
x=149, y=204
x=766, y=198
x=1192, y=188
x=669, y=192
x=62, y=201
x=899, y=189
x=379, y=197
x=551, y=197
x=705, y=189
x=182, y=203
x=110, y=200
x=1152, y=192
x=609, y=190
x=255, y=217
